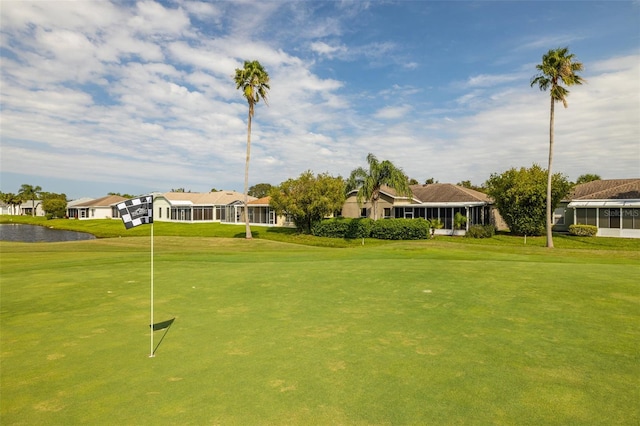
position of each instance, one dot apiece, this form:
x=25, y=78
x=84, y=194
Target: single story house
x=195, y=206
x=99, y=208
x=220, y=206
x=431, y=201
x=9, y=209
x=613, y=205
x=26, y=208
x=260, y=213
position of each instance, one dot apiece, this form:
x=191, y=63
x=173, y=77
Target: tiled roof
x=107, y=201
x=609, y=189
x=260, y=201
x=447, y=193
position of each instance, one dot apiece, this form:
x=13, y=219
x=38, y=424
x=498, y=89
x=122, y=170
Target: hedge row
x=401, y=229
x=388, y=229
x=583, y=230
x=481, y=231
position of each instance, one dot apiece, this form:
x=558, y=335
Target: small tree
x=308, y=199
x=520, y=196
x=54, y=205
x=435, y=224
x=459, y=220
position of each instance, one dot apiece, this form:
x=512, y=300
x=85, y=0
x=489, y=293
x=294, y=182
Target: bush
x=384, y=229
x=481, y=231
x=583, y=230
x=400, y=229
x=343, y=228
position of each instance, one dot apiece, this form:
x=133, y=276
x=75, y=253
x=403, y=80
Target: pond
x=38, y=234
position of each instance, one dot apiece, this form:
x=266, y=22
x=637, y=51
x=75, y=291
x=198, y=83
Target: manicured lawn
x=265, y=332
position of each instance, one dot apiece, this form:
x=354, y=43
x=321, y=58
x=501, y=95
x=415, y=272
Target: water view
x=36, y=234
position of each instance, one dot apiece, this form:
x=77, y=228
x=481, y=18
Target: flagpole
x=151, y=355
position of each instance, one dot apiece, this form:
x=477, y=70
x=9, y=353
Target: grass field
x=266, y=332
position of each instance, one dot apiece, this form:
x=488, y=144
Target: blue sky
x=136, y=97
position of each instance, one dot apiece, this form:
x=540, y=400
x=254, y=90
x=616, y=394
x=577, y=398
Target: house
x=432, y=201
x=613, y=205
x=260, y=213
x=196, y=206
x=221, y=206
x=10, y=209
x=99, y=208
x=26, y=208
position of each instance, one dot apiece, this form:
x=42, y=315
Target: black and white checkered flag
x=137, y=211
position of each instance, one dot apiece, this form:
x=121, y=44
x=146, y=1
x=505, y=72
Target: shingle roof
x=447, y=193
x=609, y=189
x=107, y=201
x=260, y=201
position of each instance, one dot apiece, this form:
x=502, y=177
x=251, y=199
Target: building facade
x=612, y=205
x=440, y=201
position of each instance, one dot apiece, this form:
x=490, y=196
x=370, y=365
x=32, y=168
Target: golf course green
x=443, y=331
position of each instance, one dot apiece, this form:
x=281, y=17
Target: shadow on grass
x=164, y=325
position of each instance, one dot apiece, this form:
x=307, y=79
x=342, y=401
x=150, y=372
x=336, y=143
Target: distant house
x=194, y=206
x=10, y=209
x=26, y=208
x=613, y=205
x=260, y=213
x=99, y=208
x=220, y=206
x=432, y=201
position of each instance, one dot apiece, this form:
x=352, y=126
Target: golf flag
x=137, y=211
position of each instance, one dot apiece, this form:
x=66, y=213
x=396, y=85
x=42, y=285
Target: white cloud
x=392, y=112
x=84, y=91
x=328, y=50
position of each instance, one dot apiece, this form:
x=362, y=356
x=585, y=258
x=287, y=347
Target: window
x=363, y=212
x=387, y=212
x=558, y=216
x=631, y=218
x=446, y=216
x=159, y=212
x=609, y=218
x=586, y=217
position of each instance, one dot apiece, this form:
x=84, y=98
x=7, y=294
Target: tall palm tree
x=369, y=182
x=558, y=67
x=30, y=192
x=253, y=80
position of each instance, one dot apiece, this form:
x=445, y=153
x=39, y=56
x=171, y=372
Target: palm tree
x=254, y=82
x=369, y=182
x=29, y=192
x=558, y=67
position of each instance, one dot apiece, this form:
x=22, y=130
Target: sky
x=137, y=97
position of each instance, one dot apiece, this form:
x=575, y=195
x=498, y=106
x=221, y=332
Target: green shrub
x=481, y=231
x=384, y=229
x=400, y=229
x=343, y=228
x=583, y=230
